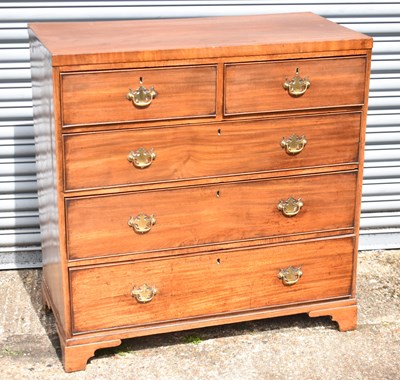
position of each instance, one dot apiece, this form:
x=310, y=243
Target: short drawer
x=120, y=158
x=146, y=292
x=260, y=87
x=188, y=217
x=101, y=97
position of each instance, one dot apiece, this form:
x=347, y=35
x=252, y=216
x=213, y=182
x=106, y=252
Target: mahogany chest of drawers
x=197, y=172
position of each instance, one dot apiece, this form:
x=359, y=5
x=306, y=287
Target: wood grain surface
x=258, y=87
x=147, y=40
x=218, y=282
x=94, y=160
x=98, y=226
x=100, y=97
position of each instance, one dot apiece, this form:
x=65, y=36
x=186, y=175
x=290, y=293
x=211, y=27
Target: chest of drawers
x=197, y=172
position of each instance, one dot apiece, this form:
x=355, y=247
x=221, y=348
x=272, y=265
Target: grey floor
x=295, y=347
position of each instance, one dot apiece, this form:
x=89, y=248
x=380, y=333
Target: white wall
x=19, y=229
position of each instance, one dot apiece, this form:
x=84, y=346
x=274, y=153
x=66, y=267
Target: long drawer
x=146, y=292
x=187, y=217
x=282, y=85
x=118, y=158
x=102, y=97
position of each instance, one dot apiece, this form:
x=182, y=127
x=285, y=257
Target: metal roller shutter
x=19, y=229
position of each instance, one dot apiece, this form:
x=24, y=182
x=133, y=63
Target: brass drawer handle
x=142, y=223
x=141, y=97
x=297, y=86
x=144, y=293
x=291, y=206
x=294, y=144
x=142, y=158
x=290, y=276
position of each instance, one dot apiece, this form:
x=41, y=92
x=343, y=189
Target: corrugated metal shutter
x=19, y=229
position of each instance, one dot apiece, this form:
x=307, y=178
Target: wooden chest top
x=77, y=43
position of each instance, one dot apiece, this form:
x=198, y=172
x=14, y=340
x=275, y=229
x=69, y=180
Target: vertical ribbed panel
x=19, y=229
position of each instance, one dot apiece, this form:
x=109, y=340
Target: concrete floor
x=295, y=347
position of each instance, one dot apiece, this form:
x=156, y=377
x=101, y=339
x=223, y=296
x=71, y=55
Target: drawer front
x=259, y=87
x=101, y=97
x=208, y=284
x=188, y=217
x=101, y=159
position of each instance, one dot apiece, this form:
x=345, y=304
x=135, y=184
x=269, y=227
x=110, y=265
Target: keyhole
x=218, y=261
x=297, y=71
x=141, y=80
x=218, y=194
x=219, y=132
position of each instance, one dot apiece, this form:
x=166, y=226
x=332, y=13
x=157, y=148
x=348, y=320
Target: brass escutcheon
x=297, y=86
x=144, y=293
x=141, y=97
x=291, y=206
x=290, y=276
x=142, y=223
x=294, y=144
x=141, y=158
